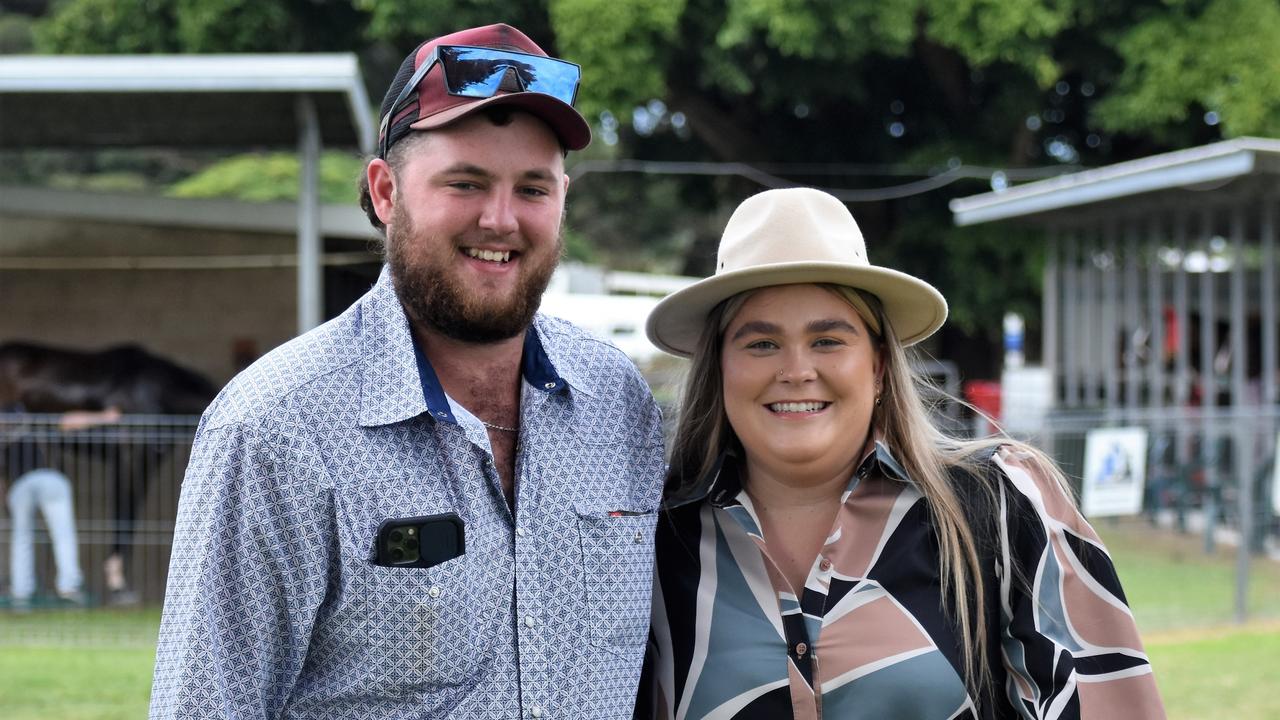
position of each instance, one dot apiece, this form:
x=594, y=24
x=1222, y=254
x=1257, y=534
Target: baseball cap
x=432, y=105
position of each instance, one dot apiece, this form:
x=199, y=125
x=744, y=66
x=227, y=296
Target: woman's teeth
x=489, y=255
x=797, y=407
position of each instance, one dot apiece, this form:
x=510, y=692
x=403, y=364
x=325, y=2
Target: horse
x=43, y=379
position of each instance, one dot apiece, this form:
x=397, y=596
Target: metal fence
x=125, y=478
x=1209, y=474
x=1206, y=468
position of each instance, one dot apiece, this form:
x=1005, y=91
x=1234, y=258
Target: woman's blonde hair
x=926, y=453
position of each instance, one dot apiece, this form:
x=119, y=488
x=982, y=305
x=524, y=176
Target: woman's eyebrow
x=757, y=326
x=821, y=326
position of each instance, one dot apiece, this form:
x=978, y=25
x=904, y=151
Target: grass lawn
x=77, y=665
x=96, y=665
x=1170, y=582
x=93, y=683
x=1224, y=674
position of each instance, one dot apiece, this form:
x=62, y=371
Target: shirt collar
x=722, y=484
x=399, y=382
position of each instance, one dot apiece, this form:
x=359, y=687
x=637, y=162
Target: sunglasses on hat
x=481, y=72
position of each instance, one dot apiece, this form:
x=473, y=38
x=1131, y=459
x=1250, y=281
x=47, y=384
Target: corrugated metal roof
x=225, y=101
x=1184, y=168
x=341, y=221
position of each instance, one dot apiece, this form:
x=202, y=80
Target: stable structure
x=1160, y=282
x=209, y=284
x=232, y=102
x=1160, y=311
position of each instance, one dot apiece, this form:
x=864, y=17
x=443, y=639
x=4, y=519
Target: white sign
x=1115, y=469
x=1275, y=477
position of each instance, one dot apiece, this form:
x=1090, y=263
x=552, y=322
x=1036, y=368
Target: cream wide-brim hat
x=788, y=237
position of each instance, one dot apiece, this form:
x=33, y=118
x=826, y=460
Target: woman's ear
x=382, y=188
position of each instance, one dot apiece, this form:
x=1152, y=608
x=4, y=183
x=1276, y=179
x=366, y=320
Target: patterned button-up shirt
x=868, y=635
x=274, y=608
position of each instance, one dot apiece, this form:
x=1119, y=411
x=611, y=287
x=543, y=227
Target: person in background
x=37, y=486
x=825, y=550
x=440, y=503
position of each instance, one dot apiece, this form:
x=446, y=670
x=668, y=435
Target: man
x=438, y=404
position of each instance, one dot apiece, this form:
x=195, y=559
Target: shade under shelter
x=231, y=102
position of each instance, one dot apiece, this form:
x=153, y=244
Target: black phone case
x=419, y=542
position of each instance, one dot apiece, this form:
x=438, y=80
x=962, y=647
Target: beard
x=437, y=298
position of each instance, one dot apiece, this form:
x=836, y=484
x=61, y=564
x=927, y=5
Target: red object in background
x=984, y=395
x=1172, y=335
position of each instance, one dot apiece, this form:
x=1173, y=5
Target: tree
x=847, y=94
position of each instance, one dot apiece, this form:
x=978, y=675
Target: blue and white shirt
x=274, y=608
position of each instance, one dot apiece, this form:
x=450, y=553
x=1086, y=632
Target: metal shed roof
x=211, y=101
x=336, y=221
x=1217, y=162
x=225, y=101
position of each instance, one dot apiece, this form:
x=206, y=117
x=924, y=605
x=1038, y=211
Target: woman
x=825, y=551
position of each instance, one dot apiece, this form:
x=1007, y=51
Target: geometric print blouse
x=868, y=636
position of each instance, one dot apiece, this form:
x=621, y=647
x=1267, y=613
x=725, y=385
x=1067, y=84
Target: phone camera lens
x=397, y=554
x=411, y=544
x=396, y=536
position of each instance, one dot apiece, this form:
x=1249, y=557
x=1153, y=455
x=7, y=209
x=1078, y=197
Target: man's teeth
x=490, y=255
x=795, y=407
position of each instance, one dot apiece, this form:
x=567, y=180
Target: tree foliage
x=832, y=93
x=199, y=26
x=264, y=177
x=1220, y=57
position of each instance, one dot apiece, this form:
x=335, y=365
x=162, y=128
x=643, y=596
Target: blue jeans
x=50, y=491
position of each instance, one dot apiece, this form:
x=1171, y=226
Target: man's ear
x=382, y=188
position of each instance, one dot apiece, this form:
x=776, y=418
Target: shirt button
x=639, y=537
x=529, y=621
x=801, y=649
x=434, y=591
x=535, y=711
x=520, y=531
x=825, y=565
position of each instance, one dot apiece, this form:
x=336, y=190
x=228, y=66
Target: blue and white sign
x=1115, y=471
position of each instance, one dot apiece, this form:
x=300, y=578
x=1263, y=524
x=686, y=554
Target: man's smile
x=493, y=256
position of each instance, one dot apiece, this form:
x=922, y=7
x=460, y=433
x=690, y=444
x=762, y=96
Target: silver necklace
x=491, y=426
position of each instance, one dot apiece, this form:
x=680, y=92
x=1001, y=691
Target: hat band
x=481, y=72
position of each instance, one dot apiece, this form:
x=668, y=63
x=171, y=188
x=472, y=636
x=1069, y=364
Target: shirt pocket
x=431, y=629
x=617, y=560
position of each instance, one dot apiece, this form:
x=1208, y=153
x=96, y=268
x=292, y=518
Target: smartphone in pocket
x=419, y=542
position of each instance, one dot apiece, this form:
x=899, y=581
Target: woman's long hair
x=924, y=450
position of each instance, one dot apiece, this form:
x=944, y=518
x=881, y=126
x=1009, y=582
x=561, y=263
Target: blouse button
x=801, y=649
x=825, y=565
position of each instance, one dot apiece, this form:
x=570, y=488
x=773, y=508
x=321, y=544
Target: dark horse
x=39, y=379
x=52, y=380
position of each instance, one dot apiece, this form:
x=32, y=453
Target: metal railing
x=124, y=477
x=1209, y=472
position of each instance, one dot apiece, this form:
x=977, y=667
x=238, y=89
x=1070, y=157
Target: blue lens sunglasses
x=479, y=72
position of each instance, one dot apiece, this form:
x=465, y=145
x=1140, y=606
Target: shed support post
x=310, y=275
